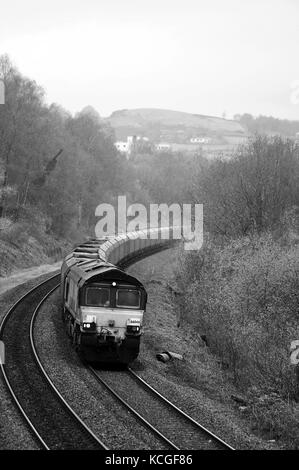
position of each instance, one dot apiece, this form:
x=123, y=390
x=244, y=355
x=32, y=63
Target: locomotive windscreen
x=127, y=298
x=97, y=296
x=121, y=296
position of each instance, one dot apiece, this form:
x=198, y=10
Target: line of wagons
x=102, y=305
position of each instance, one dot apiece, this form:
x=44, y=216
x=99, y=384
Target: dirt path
x=25, y=275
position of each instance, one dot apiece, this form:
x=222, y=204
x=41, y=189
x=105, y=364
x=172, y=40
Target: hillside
x=176, y=126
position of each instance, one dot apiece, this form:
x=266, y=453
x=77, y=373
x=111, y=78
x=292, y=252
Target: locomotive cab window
x=97, y=297
x=128, y=298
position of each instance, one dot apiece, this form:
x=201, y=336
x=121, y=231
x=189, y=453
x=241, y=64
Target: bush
x=245, y=298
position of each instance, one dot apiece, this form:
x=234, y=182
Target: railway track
x=53, y=423
x=202, y=429
x=172, y=425
x=167, y=442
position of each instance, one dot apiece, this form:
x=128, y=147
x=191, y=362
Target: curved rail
x=179, y=411
x=2, y=366
x=95, y=442
x=132, y=410
x=175, y=420
x=49, y=381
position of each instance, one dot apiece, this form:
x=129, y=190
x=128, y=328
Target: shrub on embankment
x=27, y=243
x=244, y=297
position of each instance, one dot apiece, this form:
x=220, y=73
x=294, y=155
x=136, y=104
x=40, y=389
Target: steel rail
x=131, y=409
x=180, y=411
x=49, y=381
x=2, y=366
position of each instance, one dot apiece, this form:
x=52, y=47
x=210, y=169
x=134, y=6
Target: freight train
x=102, y=305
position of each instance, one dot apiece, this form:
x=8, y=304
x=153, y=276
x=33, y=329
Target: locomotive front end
x=103, y=310
x=111, y=317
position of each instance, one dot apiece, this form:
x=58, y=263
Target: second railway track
x=51, y=420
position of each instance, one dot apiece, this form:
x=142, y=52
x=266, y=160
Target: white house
x=127, y=147
x=122, y=146
x=200, y=140
x=163, y=146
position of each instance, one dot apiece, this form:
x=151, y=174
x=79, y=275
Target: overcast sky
x=201, y=56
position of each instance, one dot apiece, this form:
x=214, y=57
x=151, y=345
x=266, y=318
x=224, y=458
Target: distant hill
x=173, y=126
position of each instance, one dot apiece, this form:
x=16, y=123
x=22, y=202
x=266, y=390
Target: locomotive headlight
x=131, y=329
x=89, y=326
x=89, y=323
x=133, y=326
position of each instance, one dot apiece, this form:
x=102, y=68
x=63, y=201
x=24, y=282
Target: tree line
x=52, y=163
x=268, y=125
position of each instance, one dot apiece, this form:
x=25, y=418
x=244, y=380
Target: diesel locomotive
x=102, y=305
x=103, y=310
